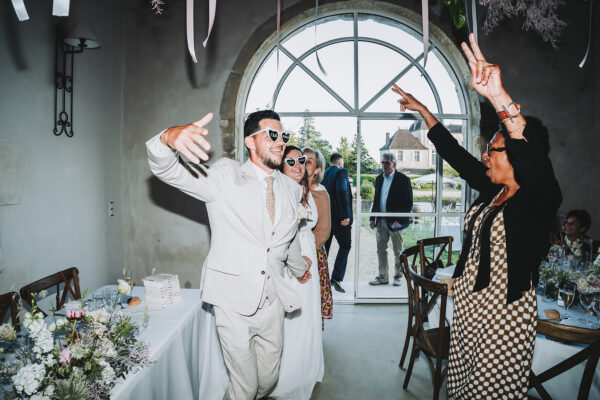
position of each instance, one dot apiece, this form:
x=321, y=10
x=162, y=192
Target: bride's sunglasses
x=274, y=134
x=292, y=161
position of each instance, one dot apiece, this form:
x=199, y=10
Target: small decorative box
x=162, y=290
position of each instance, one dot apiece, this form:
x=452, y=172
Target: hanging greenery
x=457, y=11
x=540, y=16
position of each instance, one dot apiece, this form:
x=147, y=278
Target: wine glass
x=587, y=300
x=597, y=309
x=566, y=291
x=128, y=276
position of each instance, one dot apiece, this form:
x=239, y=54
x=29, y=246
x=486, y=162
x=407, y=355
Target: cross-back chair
x=439, y=244
x=69, y=278
x=589, y=354
x=10, y=301
x=410, y=255
x=434, y=343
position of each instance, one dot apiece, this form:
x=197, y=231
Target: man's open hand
x=189, y=139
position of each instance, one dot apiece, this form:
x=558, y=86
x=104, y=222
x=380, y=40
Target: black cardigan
x=528, y=214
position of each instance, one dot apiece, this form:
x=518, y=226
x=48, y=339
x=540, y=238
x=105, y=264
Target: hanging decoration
x=425, y=15
x=189, y=28
x=157, y=6
x=60, y=8
x=20, y=10
x=212, y=10
x=317, y=51
x=540, y=16
x=587, y=51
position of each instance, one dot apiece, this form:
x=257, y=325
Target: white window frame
x=449, y=55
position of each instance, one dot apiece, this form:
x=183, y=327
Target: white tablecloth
x=546, y=352
x=173, y=335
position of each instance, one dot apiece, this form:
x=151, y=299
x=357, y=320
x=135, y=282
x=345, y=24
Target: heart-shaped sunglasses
x=274, y=134
x=292, y=161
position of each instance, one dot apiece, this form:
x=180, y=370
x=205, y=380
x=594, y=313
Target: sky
x=377, y=66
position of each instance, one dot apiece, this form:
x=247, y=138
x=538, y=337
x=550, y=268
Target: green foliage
x=367, y=190
x=450, y=172
x=457, y=12
x=70, y=389
x=309, y=136
x=367, y=163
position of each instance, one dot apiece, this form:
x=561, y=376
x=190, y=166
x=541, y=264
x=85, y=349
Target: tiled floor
x=362, y=345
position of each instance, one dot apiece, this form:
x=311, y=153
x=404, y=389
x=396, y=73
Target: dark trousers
x=343, y=235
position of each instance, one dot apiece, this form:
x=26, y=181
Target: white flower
x=58, y=324
x=98, y=328
x=39, y=397
x=108, y=349
x=42, y=294
x=582, y=284
x=124, y=287
x=108, y=374
x=28, y=378
x=78, y=351
x=303, y=213
x=7, y=332
x=100, y=315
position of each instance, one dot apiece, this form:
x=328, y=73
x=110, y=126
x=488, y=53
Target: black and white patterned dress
x=492, y=342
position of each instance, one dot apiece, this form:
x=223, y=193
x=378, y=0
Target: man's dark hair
x=583, y=217
x=251, y=124
x=335, y=157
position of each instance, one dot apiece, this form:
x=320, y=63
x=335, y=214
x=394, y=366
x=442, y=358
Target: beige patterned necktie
x=270, y=198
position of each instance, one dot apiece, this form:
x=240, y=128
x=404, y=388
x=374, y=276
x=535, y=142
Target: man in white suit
x=252, y=209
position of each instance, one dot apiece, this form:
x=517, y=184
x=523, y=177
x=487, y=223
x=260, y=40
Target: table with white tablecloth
x=175, y=336
x=546, y=352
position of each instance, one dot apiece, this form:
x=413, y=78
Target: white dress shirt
x=385, y=191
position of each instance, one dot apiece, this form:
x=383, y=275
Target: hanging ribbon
x=474, y=18
x=20, y=10
x=212, y=8
x=317, y=51
x=587, y=52
x=425, y=12
x=278, y=27
x=60, y=8
x=189, y=19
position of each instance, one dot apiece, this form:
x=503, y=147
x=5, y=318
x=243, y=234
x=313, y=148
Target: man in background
x=337, y=184
x=393, y=194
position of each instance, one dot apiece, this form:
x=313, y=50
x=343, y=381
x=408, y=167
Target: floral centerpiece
x=78, y=357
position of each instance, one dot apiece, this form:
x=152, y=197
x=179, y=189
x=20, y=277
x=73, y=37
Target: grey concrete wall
x=61, y=218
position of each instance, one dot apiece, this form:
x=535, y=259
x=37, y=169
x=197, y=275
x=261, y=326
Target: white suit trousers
x=251, y=349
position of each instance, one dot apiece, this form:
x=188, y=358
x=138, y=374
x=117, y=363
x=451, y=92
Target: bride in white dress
x=302, y=362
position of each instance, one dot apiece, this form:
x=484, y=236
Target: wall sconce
x=81, y=37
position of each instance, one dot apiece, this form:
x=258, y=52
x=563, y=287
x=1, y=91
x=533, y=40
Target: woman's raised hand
x=485, y=77
x=407, y=101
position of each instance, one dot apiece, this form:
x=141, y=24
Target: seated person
x=575, y=226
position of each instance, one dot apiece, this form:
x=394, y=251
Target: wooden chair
x=434, y=343
x=439, y=245
x=411, y=252
x=10, y=301
x=67, y=277
x=590, y=354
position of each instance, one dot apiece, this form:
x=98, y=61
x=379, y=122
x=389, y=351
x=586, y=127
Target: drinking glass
x=566, y=291
x=128, y=275
x=597, y=309
x=587, y=300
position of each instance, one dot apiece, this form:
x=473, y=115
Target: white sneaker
x=397, y=282
x=378, y=281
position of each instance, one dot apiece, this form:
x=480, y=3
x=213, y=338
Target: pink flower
x=64, y=357
x=74, y=313
x=597, y=284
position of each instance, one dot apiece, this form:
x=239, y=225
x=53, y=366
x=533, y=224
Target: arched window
x=345, y=105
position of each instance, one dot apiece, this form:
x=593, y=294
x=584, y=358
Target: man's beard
x=268, y=162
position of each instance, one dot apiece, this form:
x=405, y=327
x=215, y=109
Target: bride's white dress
x=302, y=363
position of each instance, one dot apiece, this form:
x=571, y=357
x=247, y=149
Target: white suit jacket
x=244, y=250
